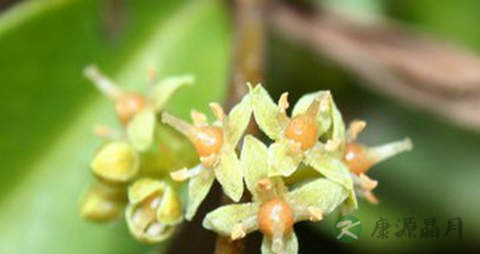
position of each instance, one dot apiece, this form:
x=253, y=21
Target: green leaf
x=223, y=219
x=51, y=108
x=141, y=129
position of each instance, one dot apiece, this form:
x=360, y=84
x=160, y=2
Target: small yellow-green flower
x=274, y=209
x=313, y=135
x=136, y=111
x=360, y=159
x=215, y=145
x=153, y=211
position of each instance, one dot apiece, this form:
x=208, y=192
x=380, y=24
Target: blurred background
x=409, y=68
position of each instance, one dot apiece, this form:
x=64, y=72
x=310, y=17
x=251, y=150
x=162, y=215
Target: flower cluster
x=130, y=181
x=312, y=139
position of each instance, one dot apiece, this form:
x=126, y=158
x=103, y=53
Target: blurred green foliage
x=49, y=107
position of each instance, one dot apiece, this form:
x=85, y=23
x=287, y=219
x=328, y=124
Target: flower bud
x=103, y=203
x=116, y=162
x=153, y=210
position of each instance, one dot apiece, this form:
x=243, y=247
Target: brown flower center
x=304, y=130
x=275, y=215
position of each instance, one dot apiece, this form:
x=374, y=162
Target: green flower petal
x=290, y=242
x=267, y=114
x=281, y=161
x=143, y=188
x=154, y=233
x=164, y=90
x=198, y=188
x=229, y=173
x=331, y=167
x=237, y=120
x=141, y=129
x=253, y=162
x=223, y=219
x=170, y=210
x=321, y=193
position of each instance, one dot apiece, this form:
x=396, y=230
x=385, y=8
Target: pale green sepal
x=331, y=167
x=164, y=90
x=351, y=201
x=237, y=120
x=229, y=173
x=143, y=188
x=170, y=210
x=253, y=162
x=321, y=193
x=281, y=161
x=223, y=219
x=267, y=113
x=198, y=188
x=141, y=129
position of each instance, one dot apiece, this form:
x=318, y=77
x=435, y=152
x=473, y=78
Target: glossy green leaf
x=51, y=108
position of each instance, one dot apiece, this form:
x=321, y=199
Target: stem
x=247, y=66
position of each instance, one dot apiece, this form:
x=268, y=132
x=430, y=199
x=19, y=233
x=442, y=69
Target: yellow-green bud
x=153, y=210
x=103, y=203
x=117, y=161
